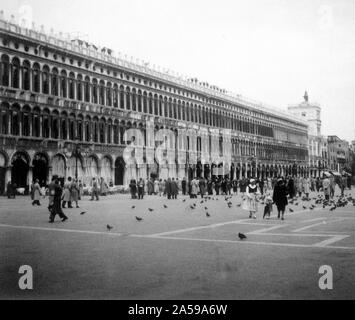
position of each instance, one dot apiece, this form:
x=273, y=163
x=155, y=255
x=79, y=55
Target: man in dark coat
x=174, y=188
x=183, y=186
x=57, y=208
x=168, y=188
x=280, y=198
x=202, y=185
x=291, y=188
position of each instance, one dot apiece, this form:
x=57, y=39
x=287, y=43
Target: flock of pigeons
x=312, y=203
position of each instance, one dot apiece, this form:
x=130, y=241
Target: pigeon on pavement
x=241, y=236
x=109, y=227
x=139, y=218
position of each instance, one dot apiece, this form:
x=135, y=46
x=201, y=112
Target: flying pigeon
x=83, y=212
x=109, y=227
x=241, y=236
x=139, y=218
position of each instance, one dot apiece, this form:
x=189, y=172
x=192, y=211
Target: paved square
x=175, y=252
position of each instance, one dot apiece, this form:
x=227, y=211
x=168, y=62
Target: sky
x=267, y=50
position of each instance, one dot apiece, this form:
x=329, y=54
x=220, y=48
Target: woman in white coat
x=251, y=201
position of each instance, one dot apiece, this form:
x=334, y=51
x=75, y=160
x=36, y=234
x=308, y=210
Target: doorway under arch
x=40, y=168
x=19, y=170
x=119, y=171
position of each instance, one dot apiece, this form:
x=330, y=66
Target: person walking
x=51, y=192
x=202, y=186
x=299, y=186
x=326, y=187
x=140, y=188
x=36, y=193
x=291, y=188
x=306, y=186
x=174, y=188
x=194, y=188
x=168, y=188
x=183, y=185
x=74, y=193
x=251, y=202
x=81, y=189
x=156, y=186
x=161, y=187
x=280, y=198
x=57, y=208
x=94, y=190
x=133, y=189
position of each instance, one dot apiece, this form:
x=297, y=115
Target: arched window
x=156, y=111
x=88, y=129
x=36, y=77
x=150, y=104
x=26, y=114
x=134, y=100
x=94, y=91
x=109, y=94
x=170, y=108
x=160, y=105
x=26, y=75
x=115, y=133
x=95, y=130
x=183, y=111
x=174, y=109
x=122, y=106
x=187, y=112
x=55, y=126
x=4, y=70
x=4, y=111
x=15, y=117
x=139, y=101
x=36, y=125
x=102, y=92
x=54, y=84
x=179, y=110
x=45, y=124
x=15, y=73
x=128, y=98
x=79, y=88
x=109, y=131
x=144, y=102
x=72, y=127
x=64, y=126
x=79, y=128
x=71, y=85
x=63, y=84
x=102, y=126
x=115, y=95
x=87, y=89
x=45, y=80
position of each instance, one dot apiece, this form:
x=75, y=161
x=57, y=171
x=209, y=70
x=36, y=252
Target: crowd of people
x=268, y=191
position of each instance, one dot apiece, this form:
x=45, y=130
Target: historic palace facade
x=65, y=106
